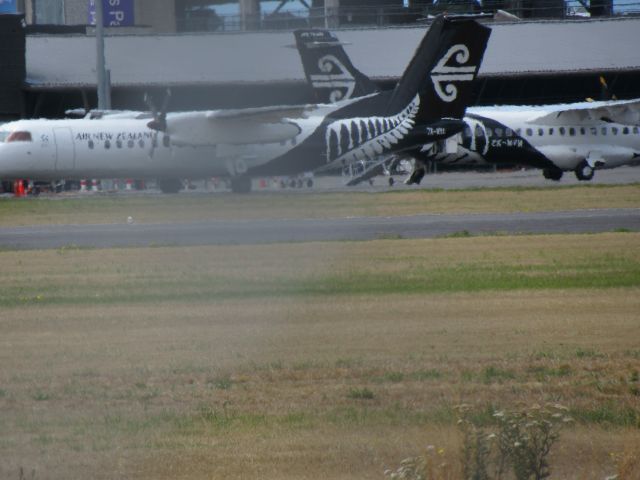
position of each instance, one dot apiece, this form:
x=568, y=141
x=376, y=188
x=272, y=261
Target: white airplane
x=426, y=106
x=579, y=137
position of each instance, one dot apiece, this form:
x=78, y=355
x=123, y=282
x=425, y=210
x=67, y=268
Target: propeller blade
x=154, y=144
x=159, y=122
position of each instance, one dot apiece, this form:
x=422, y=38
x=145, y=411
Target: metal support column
x=250, y=14
x=331, y=13
x=101, y=69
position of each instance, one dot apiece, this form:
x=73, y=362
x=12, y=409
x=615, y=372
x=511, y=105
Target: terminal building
x=48, y=56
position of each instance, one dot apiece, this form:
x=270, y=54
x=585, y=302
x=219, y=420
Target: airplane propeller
x=605, y=92
x=159, y=122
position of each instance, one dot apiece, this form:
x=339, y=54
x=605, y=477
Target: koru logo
x=334, y=76
x=444, y=75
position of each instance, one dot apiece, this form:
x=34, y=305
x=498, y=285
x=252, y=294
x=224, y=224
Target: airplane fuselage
x=513, y=136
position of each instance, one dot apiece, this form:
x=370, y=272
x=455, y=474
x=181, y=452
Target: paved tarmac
x=249, y=232
x=459, y=180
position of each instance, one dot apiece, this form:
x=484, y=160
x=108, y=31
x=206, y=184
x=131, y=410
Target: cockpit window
x=17, y=136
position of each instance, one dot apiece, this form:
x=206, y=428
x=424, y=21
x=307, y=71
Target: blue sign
x=8, y=6
x=117, y=13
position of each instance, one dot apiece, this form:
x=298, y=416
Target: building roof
x=515, y=49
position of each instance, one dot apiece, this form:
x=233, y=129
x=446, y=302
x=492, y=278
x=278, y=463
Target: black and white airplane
x=579, y=137
x=427, y=105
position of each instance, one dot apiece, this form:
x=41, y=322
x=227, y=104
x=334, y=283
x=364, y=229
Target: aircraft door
x=65, y=149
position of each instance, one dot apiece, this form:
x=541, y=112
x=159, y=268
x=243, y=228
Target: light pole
x=104, y=100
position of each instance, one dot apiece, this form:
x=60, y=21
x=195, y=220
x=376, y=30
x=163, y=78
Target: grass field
x=189, y=207
x=314, y=360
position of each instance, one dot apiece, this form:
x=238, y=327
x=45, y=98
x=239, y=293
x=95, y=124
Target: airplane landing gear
x=552, y=173
x=584, y=171
x=241, y=184
x=170, y=185
x=391, y=181
x=416, y=176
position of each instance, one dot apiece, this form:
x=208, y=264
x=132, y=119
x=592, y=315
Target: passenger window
x=551, y=131
x=572, y=132
x=518, y=132
x=107, y=144
x=141, y=143
x=635, y=130
x=540, y=132
x=614, y=130
x=604, y=131
x=594, y=131
x=91, y=145
x=625, y=131
x=582, y=131
x=529, y=132
x=498, y=132
x=130, y=144
x=508, y=132
x=119, y=143
x=562, y=130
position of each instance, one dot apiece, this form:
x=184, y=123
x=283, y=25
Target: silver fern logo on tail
x=334, y=76
x=365, y=138
x=444, y=75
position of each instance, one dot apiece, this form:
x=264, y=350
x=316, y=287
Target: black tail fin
x=328, y=69
x=442, y=70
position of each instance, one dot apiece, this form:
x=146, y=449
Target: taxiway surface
x=248, y=232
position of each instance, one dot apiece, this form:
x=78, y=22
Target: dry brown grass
x=260, y=387
x=183, y=208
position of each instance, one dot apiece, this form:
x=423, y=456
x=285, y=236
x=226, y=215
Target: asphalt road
x=250, y=232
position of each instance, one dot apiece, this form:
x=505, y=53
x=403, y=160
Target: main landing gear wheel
x=391, y=181
x=241, y=184
x=170, y=185
x=584, y=171
x=552, y=173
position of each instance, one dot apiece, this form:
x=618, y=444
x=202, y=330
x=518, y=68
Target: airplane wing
x=618, y=111
x=235, y=127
